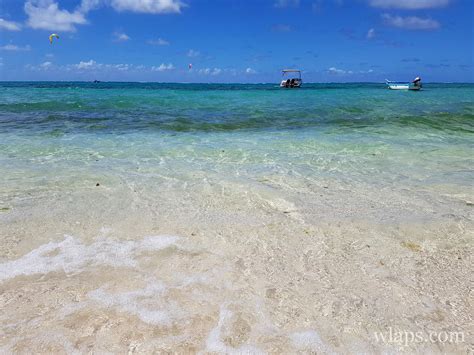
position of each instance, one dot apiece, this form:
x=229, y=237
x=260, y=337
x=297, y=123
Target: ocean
x=234, y=218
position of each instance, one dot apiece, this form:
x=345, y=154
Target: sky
x=236, y=40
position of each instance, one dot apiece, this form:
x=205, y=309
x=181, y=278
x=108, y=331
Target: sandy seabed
x=235, y=265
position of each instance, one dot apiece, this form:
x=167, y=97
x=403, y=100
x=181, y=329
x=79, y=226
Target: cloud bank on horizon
x=174, y=40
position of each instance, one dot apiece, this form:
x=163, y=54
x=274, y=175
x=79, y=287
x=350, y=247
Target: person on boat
x=417, y=82
x=292, y=83
x=287, y=84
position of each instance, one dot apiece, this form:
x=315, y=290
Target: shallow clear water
x=349, y=133
x=241, y=176
x=323, y=128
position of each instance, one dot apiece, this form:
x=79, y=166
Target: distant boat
x=96, y=81
x=294, y=82
x=395, y=85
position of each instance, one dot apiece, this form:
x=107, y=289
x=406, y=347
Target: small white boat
x=395, y=85
x=291, y=82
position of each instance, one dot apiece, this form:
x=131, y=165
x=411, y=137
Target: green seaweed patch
x=56, y=133
x=411, y=246
x=53, y=133
x=354, y=109
x=4, y=209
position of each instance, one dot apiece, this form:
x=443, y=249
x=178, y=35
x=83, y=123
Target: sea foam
x=214, y=342
x=142, y=302
x=308, y=340
x=71, y=255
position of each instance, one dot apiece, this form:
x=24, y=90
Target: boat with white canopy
x=293, y=78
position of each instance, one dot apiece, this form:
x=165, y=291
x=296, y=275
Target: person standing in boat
x=417, y=82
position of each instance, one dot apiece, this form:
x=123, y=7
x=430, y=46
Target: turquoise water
x=121, y=108
x=351, y=134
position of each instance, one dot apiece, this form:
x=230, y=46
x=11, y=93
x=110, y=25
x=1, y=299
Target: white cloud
x=411, y=22
x=41, y=67
x=148, y=6
x=409, y=4
x=336, y=71
x=159, y=42
x=370, y=33
x=45, y=14
x=46, y=65
x=15, y=48
x=121, y=67
x=250, y=71
x=88, y=5
x=163, y=67
x=286, y=3
x=91, y=64
x=342, y=72
x=143, y=6
x=86, y=66
x=121, y=37
x=192, y=53
x=9, y=25
x=209, y=71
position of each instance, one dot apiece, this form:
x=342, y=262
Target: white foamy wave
x=145, y=303
x=214, y=342
x=308, y=340
x=71, y=255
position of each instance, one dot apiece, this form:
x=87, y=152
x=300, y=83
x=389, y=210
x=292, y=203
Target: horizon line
x=219, y=83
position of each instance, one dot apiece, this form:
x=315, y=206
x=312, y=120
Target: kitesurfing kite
x=51, y=36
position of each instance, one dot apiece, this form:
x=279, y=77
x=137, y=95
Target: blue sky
x=237, y=41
